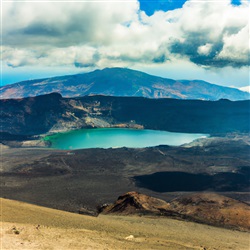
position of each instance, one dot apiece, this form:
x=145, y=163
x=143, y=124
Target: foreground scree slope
x=44, y=228
x=52, y=113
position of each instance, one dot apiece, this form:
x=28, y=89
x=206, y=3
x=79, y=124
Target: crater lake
x=118, y=137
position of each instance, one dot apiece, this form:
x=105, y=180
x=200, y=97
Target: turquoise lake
x=116, y=137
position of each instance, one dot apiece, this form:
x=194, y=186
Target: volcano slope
x=25, y=226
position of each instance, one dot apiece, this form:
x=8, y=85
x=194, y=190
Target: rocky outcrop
x=208, y=208
x=135, y=203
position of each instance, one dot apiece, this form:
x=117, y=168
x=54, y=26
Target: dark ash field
x=72, y=180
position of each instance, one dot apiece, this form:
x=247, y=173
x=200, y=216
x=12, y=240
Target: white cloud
x=101, y=34
x=18, y=57
x=245, y=89
x=204, y=23
x=205, y=49
x=63, y=23
x=240, y=52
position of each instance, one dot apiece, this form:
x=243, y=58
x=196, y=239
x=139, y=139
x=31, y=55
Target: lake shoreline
x=117, y=138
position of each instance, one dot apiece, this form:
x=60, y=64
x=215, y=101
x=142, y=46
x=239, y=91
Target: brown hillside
x=214, y=209
x=209, y=208
x=133, y=202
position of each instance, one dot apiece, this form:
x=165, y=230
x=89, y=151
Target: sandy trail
x=62, y=230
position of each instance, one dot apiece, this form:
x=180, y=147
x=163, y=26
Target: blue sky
x=191, y=39
x=150, y=6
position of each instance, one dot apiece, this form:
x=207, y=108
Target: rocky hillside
x=121, y=82
x=206, y=208
x=52, y=113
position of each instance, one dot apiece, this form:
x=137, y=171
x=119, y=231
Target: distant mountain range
x=121, y=82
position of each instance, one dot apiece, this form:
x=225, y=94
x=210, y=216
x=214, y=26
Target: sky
x=185, y=39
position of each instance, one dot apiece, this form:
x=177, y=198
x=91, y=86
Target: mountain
x=53, y=113
x=121, y=82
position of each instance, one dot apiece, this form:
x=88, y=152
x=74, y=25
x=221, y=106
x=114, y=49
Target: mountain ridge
x=121, y=82
x=53, y=113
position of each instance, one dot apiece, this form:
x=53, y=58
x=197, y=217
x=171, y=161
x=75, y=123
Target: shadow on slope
x=181, y=181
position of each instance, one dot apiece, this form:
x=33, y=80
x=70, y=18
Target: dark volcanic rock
x=121, y=82
x=52, y=113
x=70, y=180
x=30, y=116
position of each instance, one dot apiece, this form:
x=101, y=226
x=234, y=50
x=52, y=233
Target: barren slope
x=26, y=226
